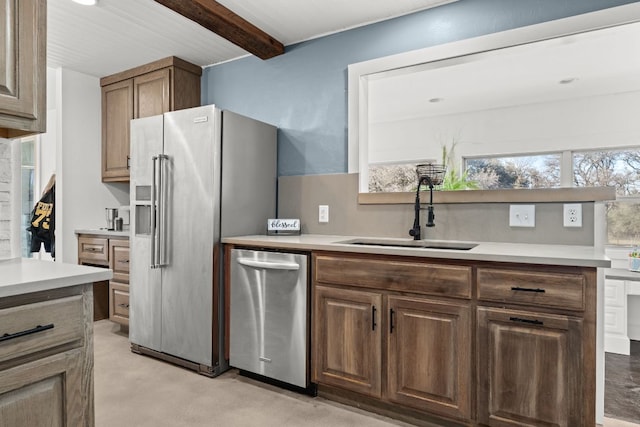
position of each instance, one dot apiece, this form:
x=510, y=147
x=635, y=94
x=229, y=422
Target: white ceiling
x=599, y=62
x=117, y=35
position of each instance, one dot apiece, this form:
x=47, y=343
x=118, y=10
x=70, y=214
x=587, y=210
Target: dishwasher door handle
x=268, y=265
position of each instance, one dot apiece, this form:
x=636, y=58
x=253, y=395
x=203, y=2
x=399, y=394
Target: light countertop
x=622, y=274
x=25, y=275
x=582, y=256
x=103, y=232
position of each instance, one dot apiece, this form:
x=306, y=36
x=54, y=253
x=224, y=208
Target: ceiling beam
x=224, y=22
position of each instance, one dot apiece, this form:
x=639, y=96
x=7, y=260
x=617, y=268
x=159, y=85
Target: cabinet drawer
x=93, y=250
x=418, y=277
x=615, y=320
x=39, y=326
x=119, y=260
x=119, y=303
x=524, y=287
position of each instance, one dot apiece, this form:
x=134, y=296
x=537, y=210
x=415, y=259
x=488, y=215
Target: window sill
x=546, y=195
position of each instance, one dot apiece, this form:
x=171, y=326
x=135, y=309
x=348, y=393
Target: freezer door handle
x=162, y=212
x=268, y=265
x=152, y=211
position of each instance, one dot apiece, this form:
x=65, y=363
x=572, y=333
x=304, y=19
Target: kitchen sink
x=418, y=244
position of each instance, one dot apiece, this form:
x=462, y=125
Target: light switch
x=323, y=213
x=522, y=215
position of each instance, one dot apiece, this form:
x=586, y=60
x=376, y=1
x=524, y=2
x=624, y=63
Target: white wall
x=81, y=197
x=577, y=124
x=9, y=190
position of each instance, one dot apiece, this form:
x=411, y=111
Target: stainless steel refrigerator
x=196, y=175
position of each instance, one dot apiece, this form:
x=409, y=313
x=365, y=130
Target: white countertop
x=582, y=256
x=25, y=275
x=622, y=274
x=103, y=232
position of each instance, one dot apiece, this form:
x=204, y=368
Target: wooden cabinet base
x=101, y=300
x=390, y=410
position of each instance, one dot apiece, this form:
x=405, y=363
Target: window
x=28, y=169
x=619, y=169
x=398, y=177
x=535, y=171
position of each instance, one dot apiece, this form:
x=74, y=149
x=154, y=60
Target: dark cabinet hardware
x=124, y=305
x=39, y=328
x=517, y=288
x=373, y=317
x=532, y=322
x=391, y=313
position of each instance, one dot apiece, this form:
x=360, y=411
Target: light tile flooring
x=134, y=390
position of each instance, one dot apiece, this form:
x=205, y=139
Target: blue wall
x=304, y=91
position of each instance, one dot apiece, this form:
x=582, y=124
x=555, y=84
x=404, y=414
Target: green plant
x=453, y=180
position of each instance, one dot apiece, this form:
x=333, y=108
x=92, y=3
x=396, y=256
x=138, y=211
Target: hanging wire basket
x=434, y=172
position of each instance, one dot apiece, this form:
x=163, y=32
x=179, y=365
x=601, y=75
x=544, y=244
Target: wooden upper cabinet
x=152, y=93
x=166, y=85
x=23, y=79
x=117, y=112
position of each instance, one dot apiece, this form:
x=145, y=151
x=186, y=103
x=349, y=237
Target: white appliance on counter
x=197, y=175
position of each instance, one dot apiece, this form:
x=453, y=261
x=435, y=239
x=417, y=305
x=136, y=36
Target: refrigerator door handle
x=268, y=265
x=152, y=211
x=162, y=212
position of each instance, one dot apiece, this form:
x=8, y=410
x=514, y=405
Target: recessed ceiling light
x=86, y=2
x=568, y=80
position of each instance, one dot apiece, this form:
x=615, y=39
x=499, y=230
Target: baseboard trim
x=618, y=344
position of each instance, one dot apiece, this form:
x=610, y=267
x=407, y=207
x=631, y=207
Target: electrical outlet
x=572, y=215
x=522, y=215
x=323, y=213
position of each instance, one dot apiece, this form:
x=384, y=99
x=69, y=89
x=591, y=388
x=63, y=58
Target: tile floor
x=133, y=390
x=622, y=385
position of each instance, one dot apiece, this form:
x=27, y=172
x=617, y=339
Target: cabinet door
x=429, y=355
x=119, y=259
x=45, y=392
x=119, y=303
x=117, y=112
x=347, y=343
x=529, y=369
x=151, y=93
x=22, y=67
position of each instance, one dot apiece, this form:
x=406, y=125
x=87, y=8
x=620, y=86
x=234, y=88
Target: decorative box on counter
x=634, y=259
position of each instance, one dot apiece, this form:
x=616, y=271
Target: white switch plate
x=572, y=215
x=323, y=213
x=522, y=215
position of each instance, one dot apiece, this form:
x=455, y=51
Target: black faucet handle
x=431, y=216
x=415, y=233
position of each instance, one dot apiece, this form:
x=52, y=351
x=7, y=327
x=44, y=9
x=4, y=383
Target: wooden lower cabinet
x=119, y=285
x=46, y=358
x=513, y=345
x=348, y=339
x=529, y=369
x=429, y=355
x=45, y=392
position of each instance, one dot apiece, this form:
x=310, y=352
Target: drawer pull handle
x=518, y=288
x=39, y=328
x=124, y=305
x=373, y=317
x=532, y=322
x=391, y=313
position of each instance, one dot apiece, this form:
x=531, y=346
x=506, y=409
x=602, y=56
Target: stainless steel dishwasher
x=269, y=315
